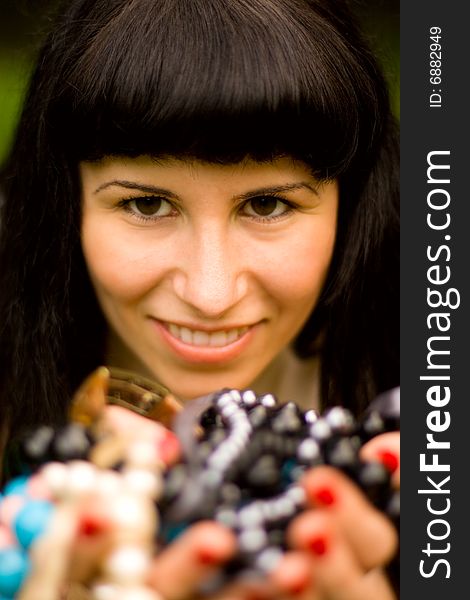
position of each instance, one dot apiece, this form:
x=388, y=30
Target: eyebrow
x=277, y=189
x=133, y=185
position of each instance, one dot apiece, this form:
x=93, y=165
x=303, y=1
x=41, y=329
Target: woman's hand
x=132, y=427
x=179, y=571
x=339, y=546
x=348, y=541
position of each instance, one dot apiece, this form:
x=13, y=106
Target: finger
x=180, y=569
x=126, y=422
x=108, y=526
x=386, y=449
x=335, y=569
x=292, y=578
x=253, y=590
x=48, y=577
x=93, y=540
x=370, y=533
x=374, y=586
x=137, y=428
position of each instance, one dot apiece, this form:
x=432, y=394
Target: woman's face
x=206, y=272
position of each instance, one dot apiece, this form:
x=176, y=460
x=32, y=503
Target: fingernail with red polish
x=324, y=496
x=318, y=546
x=91, y=525
x=389, y=460
x=255, y=595
x=298, y=588
x=207, y=556
x=169, y=448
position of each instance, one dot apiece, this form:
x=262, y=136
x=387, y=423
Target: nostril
x=211, y=292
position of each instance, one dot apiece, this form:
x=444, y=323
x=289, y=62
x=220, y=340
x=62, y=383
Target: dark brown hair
x=217, y=81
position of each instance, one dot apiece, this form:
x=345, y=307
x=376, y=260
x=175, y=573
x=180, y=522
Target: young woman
x=206, y=193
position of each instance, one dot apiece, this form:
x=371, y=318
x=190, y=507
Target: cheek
x=297, y=274
x=119, y=267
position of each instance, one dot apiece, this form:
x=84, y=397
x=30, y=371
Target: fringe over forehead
x=217, y=80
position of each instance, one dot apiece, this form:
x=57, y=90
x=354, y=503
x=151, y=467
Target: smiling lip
x=202, y=346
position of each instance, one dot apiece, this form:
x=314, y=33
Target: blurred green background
x=23, y=21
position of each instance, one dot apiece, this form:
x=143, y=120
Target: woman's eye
x=267, y=207
x=149, y=206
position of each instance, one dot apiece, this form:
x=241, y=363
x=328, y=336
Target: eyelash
x=289, y=207
x=125, y=204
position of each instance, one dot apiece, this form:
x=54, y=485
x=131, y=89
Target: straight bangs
x=217, y=81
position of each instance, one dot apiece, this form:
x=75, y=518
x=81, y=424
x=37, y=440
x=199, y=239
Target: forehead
x=176, y=170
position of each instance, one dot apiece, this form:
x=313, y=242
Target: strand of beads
x=24, y=516
x=98, y=499
x=132, y=511
x=244, y=469
x=90, y=500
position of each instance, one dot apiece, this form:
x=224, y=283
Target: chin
x=203, y=389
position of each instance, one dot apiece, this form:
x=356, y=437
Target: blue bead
x=16, y=486
x=287, y=469
x=31, y=521
x=170, y=532
x=14, y=567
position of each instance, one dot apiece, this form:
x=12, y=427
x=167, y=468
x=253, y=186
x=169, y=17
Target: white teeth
x=186, y=335
x=217, y=339
x=232, y=335
x=201, y=338
x=174, y=329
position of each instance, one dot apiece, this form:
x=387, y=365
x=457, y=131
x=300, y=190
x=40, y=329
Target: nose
x=212, y=278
